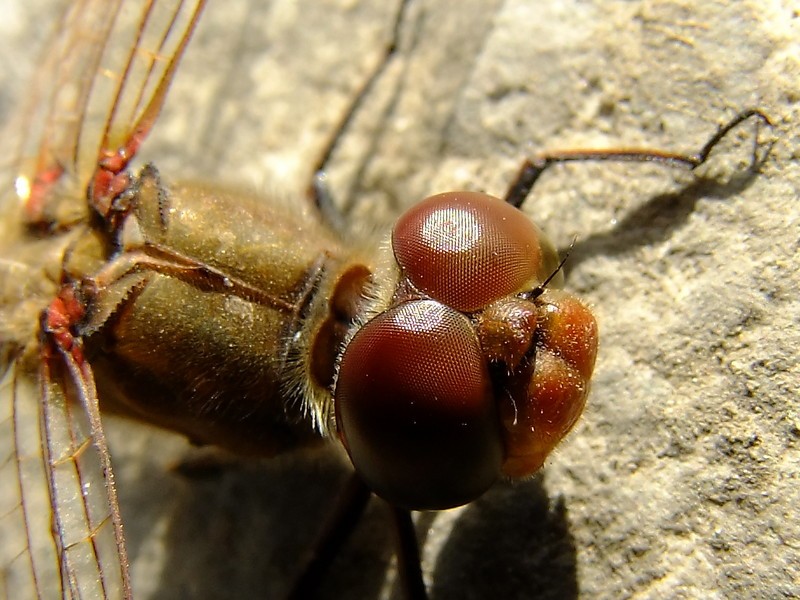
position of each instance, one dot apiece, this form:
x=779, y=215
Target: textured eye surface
x=466, y=249
x=414, y=407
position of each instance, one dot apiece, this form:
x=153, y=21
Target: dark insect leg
x=340, y=524
x=532, y=168
x=350, y=506
x=408, y=559
x=317, y=189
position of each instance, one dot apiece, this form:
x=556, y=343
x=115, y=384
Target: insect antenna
x=539, y=289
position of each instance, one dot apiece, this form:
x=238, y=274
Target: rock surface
x=681, y=480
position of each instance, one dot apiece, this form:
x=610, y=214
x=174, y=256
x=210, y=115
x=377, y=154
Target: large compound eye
x=467, y=249
x=414, y=406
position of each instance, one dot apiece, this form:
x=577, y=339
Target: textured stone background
x=681, y=480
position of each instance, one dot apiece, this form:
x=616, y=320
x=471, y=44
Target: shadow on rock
x=512, y=543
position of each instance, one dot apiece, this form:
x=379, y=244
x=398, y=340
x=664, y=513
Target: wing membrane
x=27, y=554
x=57, y=110
x=99, y=89
x=86, y=522
x=60, y=523
x=162, y=31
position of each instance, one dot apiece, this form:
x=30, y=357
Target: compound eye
x=414, y=408
x=467, y=249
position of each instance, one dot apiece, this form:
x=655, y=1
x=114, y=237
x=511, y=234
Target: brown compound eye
x=415, y=410
x=467, y=249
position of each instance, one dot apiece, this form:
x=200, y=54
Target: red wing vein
x=145, y=73
x=86, y=519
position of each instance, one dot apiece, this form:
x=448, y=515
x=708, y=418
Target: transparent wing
x=60, y=523
x=87, y=528
x=100, y=90
x=27, y=554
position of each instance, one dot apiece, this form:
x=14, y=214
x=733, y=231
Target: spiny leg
x=317, y=189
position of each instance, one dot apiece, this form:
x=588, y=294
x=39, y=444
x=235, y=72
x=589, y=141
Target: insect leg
x=532, y=168
x=408, y=559
x=317, y=189
x=341, y=522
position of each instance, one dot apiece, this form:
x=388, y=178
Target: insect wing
x=27, y=554
x=60, y=522
x=99, y=90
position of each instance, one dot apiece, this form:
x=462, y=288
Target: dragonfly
x=257, y=327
